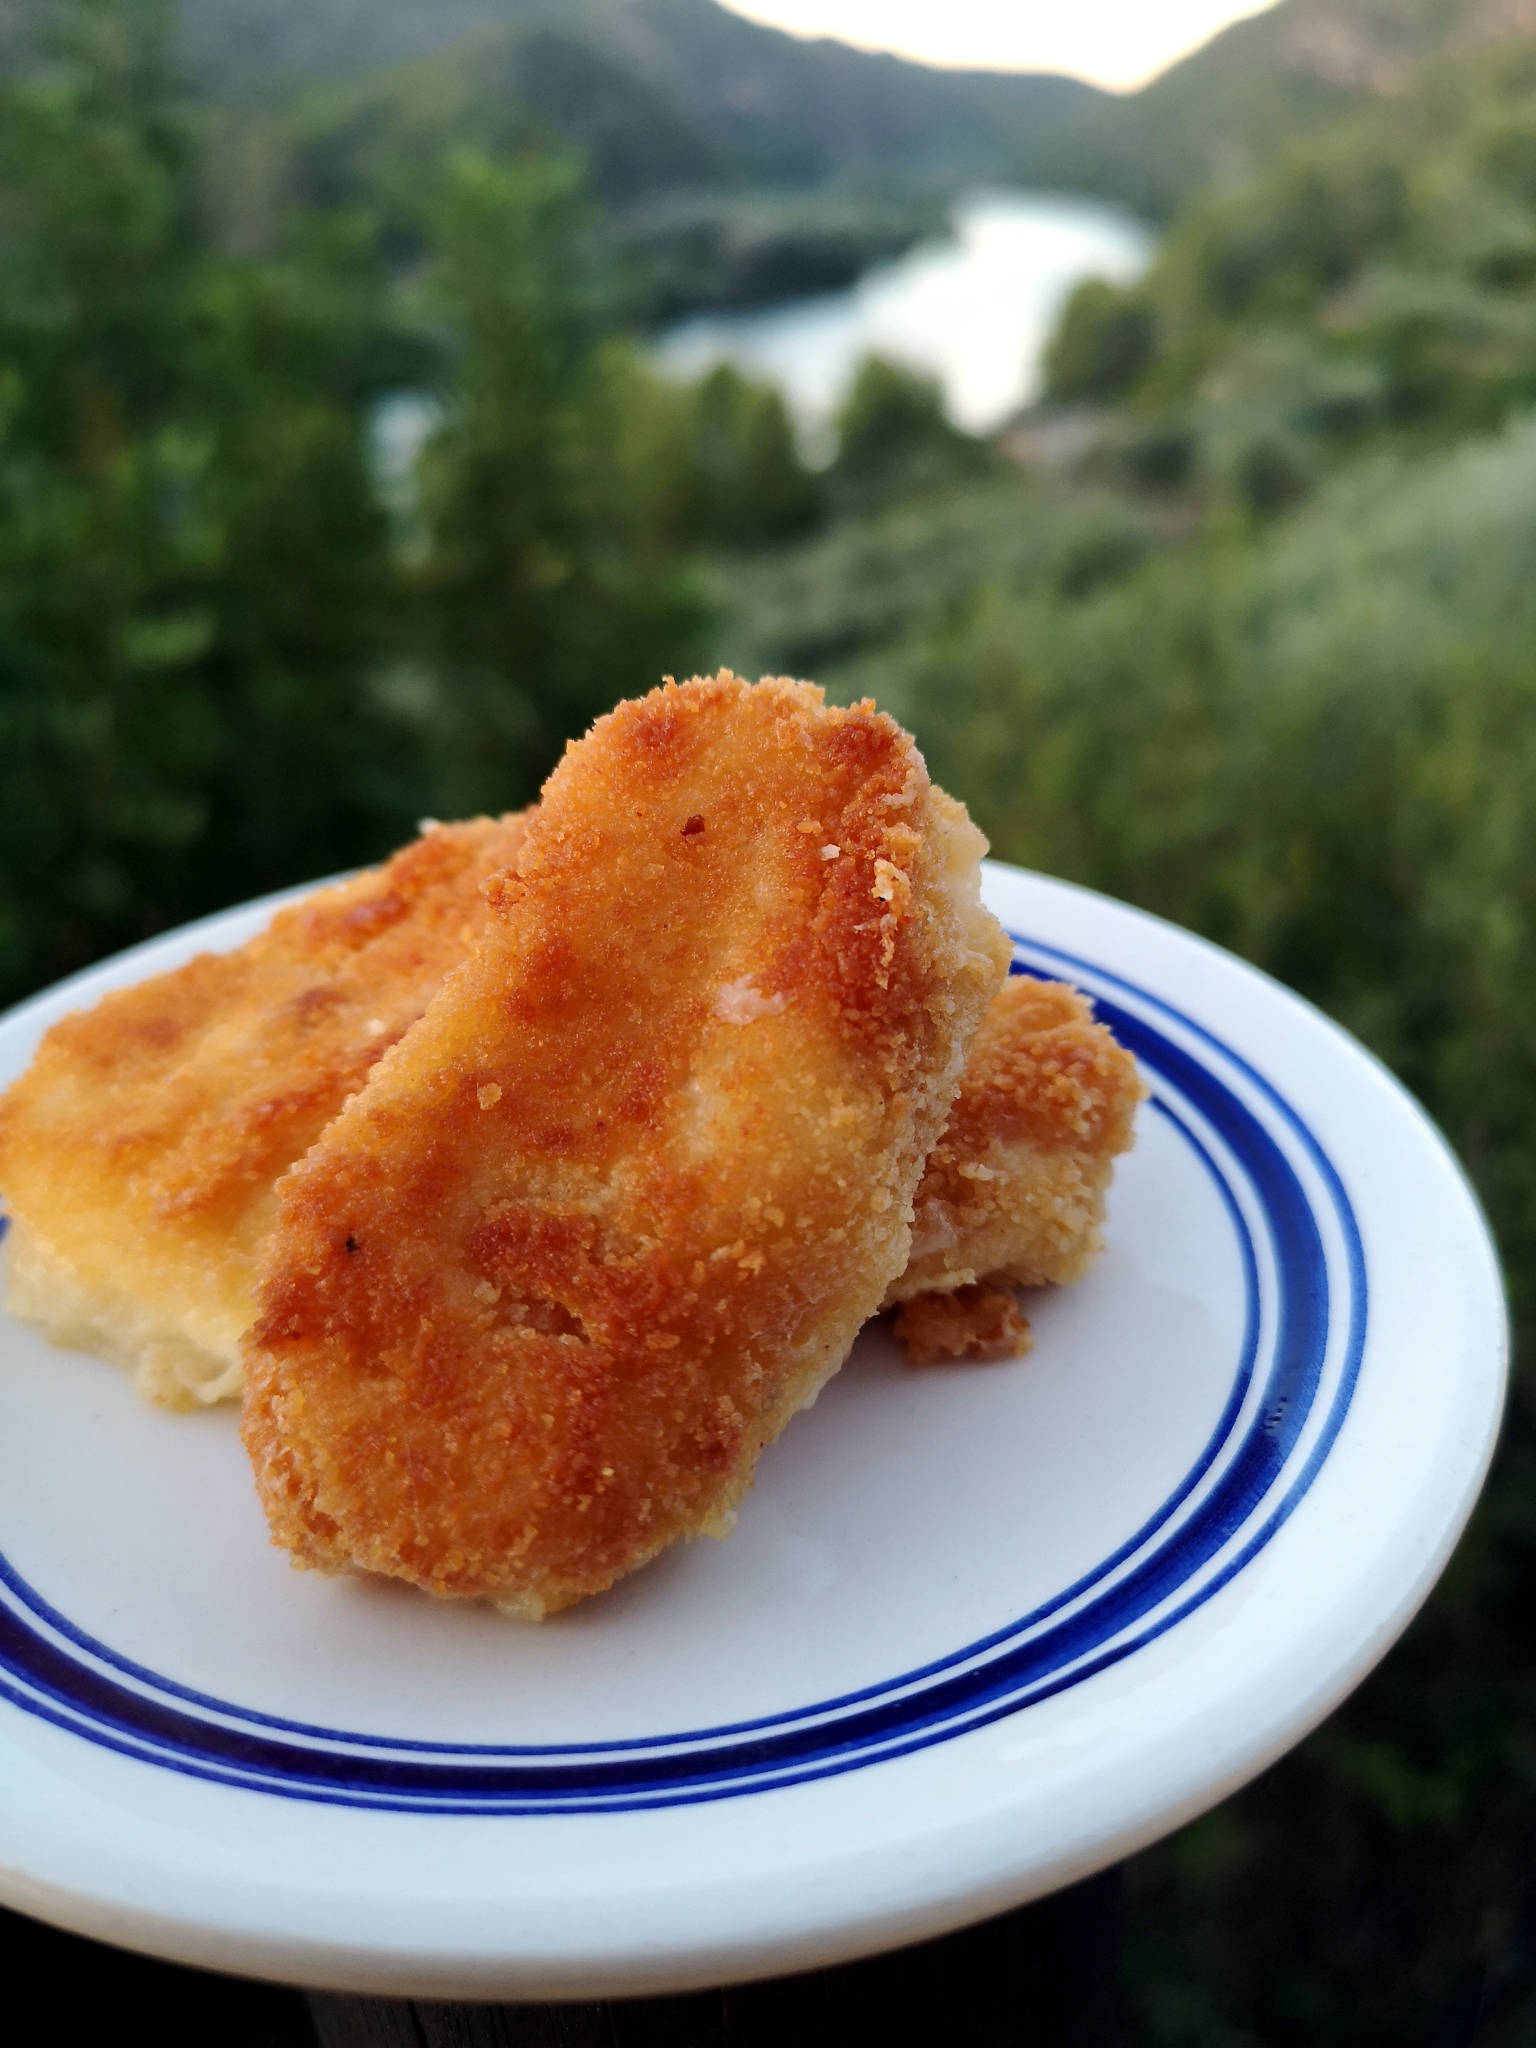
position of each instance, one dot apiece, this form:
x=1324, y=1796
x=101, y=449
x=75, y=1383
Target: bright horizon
x=1121, y=44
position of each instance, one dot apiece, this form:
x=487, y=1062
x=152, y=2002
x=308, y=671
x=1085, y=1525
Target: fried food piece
x=969, y=1322
x=140, y=1151
x=231, y=1066
x=616, y=1208
x=1014, y=1189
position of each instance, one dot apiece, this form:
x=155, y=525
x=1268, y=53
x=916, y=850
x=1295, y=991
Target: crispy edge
x=1015, y=1188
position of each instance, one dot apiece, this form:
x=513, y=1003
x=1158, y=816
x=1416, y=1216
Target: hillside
x=715, y=94
x=662, y=93
x=1375, y=283
x=669, y=96
x=1256, y=88
x=736, y=164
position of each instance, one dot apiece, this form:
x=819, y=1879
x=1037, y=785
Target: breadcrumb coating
x=140, y=1151
x=616, y=1208
x=970, y=1322
x=1014, y=1190
x=227, y=1069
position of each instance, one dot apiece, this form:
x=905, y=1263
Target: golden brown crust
x=1014, y=1190
x=139, y=1153
x=617, y=1206
x=217, y=1076
x=968, y=1322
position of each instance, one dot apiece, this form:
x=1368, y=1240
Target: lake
x=976, y=311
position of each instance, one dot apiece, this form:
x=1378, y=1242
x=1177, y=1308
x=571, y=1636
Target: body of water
x=976, y=311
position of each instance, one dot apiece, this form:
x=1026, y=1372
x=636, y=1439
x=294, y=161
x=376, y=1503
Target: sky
x=1118, y=43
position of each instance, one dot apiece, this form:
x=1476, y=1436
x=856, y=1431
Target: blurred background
x=388, y=386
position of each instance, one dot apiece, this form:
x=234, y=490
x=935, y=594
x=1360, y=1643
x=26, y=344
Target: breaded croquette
x=616, y=1207
x=1014, y=1190
x=297, y=1066
x=139, y=1153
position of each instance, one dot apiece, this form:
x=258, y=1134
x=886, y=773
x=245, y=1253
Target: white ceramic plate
x=980, y=1630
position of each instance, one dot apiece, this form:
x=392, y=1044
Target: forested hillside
x=751, y=101
x=1262, y=84
x=1375, y=286
x=737, y=164
x=776, y=108
x=743, y=164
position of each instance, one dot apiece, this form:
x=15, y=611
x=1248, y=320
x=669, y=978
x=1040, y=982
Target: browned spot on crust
x=974, y=1322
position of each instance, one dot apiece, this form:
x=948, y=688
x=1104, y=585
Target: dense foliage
x=193, y=577
x=1376, y=286
x=224, y=664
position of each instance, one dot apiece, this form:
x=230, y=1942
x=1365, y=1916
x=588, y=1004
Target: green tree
x=310, y=772
x=99, y=242
x=550, y=587
x=749, y=484
x=1105, y=339
x=193, y=574
x=893, y=437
